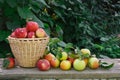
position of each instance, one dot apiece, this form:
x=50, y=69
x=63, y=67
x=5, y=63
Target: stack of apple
x=65, y=62
x=31, y=30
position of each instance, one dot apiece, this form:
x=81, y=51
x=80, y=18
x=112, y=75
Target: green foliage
x=107, y=14
x=56, y=46
x=4, y=34
x=109, y=46
x=83, y=23
x=4, y=49
x=106, y=65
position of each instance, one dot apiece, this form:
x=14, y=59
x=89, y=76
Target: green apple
x=64, y=56
x=79, y=64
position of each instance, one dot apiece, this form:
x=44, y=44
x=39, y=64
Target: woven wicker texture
x=28, y=51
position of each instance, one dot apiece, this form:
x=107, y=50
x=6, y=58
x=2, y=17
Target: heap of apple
x=31, y=30
x=65, y=62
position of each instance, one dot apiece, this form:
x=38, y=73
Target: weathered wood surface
x=19, y=72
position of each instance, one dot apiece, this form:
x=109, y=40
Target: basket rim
x=9, y=37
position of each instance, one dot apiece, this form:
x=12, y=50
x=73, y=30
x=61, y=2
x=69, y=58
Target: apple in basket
x=32, y=26
x=31, y=35
x=20, y=33
x=40, y=33
x=43, y=64
x=13, y=34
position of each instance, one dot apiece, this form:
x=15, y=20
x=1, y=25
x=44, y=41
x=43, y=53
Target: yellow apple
x=85, y=51
x=86, y=61
x=65, y=65
x=40, y=33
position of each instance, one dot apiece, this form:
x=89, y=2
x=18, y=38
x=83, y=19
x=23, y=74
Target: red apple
x=31, y=35
x=43, y=65
x=32, y=26
x=71, y=59
x=49, y=56
x=20, y=32
x=13, y=35
x=40, y=33
x=55, y=62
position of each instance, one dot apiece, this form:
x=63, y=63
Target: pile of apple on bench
x=58, y=54
x=65, y=61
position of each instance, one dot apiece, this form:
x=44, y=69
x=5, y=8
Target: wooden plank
x=19, y=72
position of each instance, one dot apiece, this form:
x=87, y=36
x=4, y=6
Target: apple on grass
x=79, y=65
x=40, y=33
x=43, y=65
x=32, y=26
x=20, y=33
x=55, y=62
x=65, y=65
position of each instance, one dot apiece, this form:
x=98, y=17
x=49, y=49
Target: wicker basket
x=28, y=51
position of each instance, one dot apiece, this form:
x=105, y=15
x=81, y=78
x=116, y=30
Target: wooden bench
x=20, y=73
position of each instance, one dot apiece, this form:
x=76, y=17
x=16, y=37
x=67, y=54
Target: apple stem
x=93, y=55
x=28, y=19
